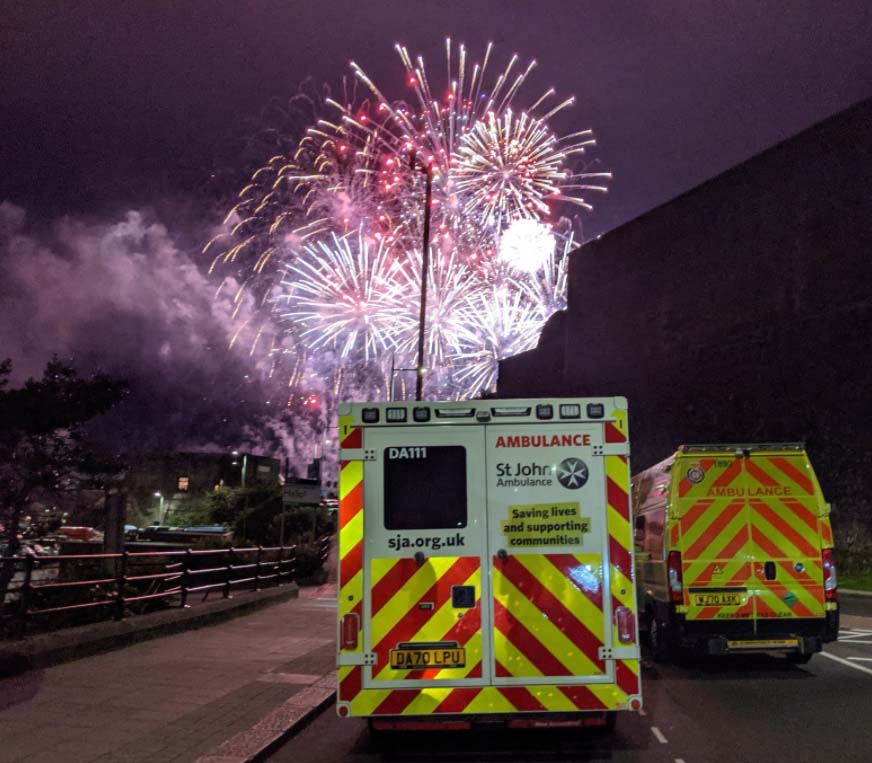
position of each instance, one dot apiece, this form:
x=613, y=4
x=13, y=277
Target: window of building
x=425, y=488
x=184, y=484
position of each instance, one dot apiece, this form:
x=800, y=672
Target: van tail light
x=830, y=593
x=676, y=586
x=625, y=620
x=350, y=630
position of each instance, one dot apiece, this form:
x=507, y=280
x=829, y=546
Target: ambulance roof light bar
x=510, y=411
x=570, y=411
x=395, y=415
x=455, y=413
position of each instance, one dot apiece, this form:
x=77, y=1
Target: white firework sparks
x=337, y=223
x=338, y=297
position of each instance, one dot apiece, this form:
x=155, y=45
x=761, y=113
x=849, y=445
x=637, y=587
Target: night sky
x=108, y=103
x=122, y=124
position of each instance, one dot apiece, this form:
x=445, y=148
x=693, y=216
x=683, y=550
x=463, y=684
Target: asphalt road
x=746, y=708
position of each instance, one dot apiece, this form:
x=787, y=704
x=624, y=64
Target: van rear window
x=425, y=487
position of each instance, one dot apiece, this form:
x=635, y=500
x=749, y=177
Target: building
x=158, y=483
x=739, y=311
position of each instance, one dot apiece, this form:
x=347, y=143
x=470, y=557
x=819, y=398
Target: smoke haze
x=121, y=296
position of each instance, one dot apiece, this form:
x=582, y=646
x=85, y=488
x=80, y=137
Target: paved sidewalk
x=180, y=697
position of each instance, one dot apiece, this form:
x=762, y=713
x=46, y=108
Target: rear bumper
x=466, y=722
x=800, y=635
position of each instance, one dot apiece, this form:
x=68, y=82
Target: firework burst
x=327, y=234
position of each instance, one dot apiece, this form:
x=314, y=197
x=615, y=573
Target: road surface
x=746, y=708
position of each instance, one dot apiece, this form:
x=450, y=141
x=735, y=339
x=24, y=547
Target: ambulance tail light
x=350, y=630
x=676, y=585
x=625, y=621
x=830, y=592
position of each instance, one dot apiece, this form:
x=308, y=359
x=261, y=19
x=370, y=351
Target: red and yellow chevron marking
x=399, y=589
x=620, y=529
x=350, y=548
x=724, y=540
x=494, y=699
x=548, y=618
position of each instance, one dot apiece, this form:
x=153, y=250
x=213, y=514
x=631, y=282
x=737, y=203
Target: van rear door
x=425, y=580
x=549, y=547
x=783, y=501
x=713, y=535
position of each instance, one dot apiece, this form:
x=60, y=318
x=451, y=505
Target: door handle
x=502, y=554
x=769, y=570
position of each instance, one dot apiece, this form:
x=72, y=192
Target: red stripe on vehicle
x=521, y=698
x=554, y=609
x=396, y=702
x=351, y=563
x=738, y=541
x=791, y=471
x=463, y=630
x=618, y=498
x=391, y=582
x=349, y=687
x=765, y=543
x=582, y=697
x=620, y=557
x=458, y=700
x=694, y=513
x=803, y=512
x=780, y=524
x=526, y=643
x=758, y=474
x=727, y=515
x=353, y=440
x=568, y=564
x=416, y=617
x=729, y=474
x=613, y=434
x=350, y=505
x=627, y=680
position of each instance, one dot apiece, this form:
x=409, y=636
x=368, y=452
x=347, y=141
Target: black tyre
x=799, y=658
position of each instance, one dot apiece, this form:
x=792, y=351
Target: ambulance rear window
x=425, y=487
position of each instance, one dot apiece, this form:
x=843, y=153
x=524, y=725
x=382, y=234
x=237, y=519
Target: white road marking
x=853, y=641
x=659, y=734
x=642, y=711
x=847, y=662
x=679, y=760
x=861, y=659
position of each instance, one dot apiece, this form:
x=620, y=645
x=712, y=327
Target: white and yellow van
x=734, y=552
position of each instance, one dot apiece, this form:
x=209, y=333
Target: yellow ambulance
x=485, y=564
x=734, y=552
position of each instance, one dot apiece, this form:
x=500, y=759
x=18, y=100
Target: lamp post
x=427, y=169
x=160, y=507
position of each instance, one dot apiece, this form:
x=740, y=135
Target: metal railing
x=121, y=584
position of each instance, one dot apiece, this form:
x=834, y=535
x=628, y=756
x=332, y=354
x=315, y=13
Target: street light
x=160, y=507
x=427, y=169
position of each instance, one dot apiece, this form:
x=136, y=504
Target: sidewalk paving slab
x=229, y=690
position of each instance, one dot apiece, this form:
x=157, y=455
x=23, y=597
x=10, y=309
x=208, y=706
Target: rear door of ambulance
x=425, y=584
x=557, y=573
x=748, y=536
x=784, y=504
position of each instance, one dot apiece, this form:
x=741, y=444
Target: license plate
x=717, y=599
x=412, y=658
x=769, y=643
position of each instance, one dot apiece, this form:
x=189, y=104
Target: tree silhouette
x=43, y=445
